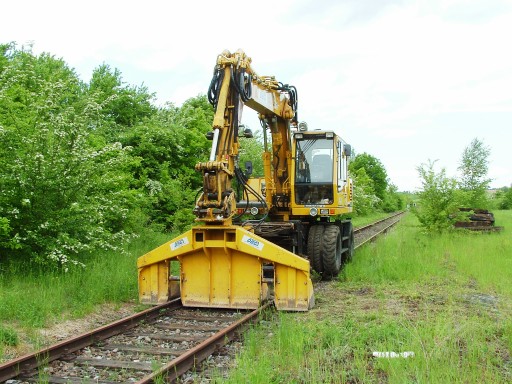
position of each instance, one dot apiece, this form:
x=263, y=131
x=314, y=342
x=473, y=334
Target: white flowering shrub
x=365, y=200
x=64, y=190
x=86, y=166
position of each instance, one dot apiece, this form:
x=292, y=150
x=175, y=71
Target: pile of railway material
x=478, y=220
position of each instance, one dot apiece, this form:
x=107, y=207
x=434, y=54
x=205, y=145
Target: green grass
x=8, y=337
x=447, y=299
x=32, y=299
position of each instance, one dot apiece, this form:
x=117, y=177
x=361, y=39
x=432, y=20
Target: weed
x=408, y=292
x=8, y=337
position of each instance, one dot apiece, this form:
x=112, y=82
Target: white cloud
x=386, y=75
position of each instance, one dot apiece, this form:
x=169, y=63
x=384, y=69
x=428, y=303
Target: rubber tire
x=315, y=237
x=331, y=251
x=347, y=257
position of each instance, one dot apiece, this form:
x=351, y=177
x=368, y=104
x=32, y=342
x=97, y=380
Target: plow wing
x=223, y=267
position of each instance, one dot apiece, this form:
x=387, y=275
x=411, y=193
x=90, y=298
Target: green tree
x=365, y=200
x=473, y=182
x=374, y=169
x=167, y=147
x=436, y=204
x=505, y=197
x=392, y=200
x=251, y=149
x=63, y=191
x=123, y=105
x=195, y=116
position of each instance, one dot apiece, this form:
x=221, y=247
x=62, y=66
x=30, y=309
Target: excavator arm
x=235, y=85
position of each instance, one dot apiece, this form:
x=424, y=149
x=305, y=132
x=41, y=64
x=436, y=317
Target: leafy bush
x=436, y=204
x=505, y=198
x=365, y=200
x=392, y=200
x=374, y=169
x=64, y=188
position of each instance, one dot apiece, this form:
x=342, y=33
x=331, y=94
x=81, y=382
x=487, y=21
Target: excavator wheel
x=348, y=242
x=315, y=238
x=331, y=251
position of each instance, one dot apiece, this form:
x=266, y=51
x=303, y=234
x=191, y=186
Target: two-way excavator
x=261, y=243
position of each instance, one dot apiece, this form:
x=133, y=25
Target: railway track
x=370, y=232
x=156, y=345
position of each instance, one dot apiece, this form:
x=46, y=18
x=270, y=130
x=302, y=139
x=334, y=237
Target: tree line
x=88, y=165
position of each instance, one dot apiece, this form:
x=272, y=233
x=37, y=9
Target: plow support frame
x=222, y=267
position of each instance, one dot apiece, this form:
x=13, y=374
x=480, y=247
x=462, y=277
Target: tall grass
x=31, y=297
x=446, y=298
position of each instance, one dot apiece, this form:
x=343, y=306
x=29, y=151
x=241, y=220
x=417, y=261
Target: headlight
x=313, y=211
x=254, y=211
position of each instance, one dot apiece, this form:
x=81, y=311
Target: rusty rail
x=383, y=223
x=32, y=361
x=177, y=367
x=25, y=367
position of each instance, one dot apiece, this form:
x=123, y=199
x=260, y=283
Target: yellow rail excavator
x=260, y=244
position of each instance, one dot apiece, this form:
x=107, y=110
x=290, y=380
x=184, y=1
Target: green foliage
x=83, y=166
x=122, y=104
x=252, y=150
x=64, y=189
x=6, y=240
x=365, y=200
x=166, y=148
x=473, y=183
x=374, y=169
x=392, y=200
x=505, y=198
x=436, y=203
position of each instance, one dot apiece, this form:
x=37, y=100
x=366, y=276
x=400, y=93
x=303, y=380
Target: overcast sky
x=405, y=81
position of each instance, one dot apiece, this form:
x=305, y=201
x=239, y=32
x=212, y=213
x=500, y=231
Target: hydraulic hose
x=294, y=97
x=242, y=83
x=214, y=88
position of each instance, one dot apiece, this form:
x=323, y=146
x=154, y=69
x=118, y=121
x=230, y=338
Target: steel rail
x=382, y=231
x=177, y=367
x=32, y=361
x=360, y=229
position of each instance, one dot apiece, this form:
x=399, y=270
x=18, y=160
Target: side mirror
x=245, y=131
x=248, y=133
x=248, y=168
x=347, y=149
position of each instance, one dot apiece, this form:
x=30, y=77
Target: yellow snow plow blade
x=223, y=267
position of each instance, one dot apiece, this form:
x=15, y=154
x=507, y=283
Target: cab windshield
x=314, y=171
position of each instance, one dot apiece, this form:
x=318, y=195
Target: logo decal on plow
x=252, y=242
x=179, y=243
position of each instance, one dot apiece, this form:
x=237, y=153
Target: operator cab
x=314, y=168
